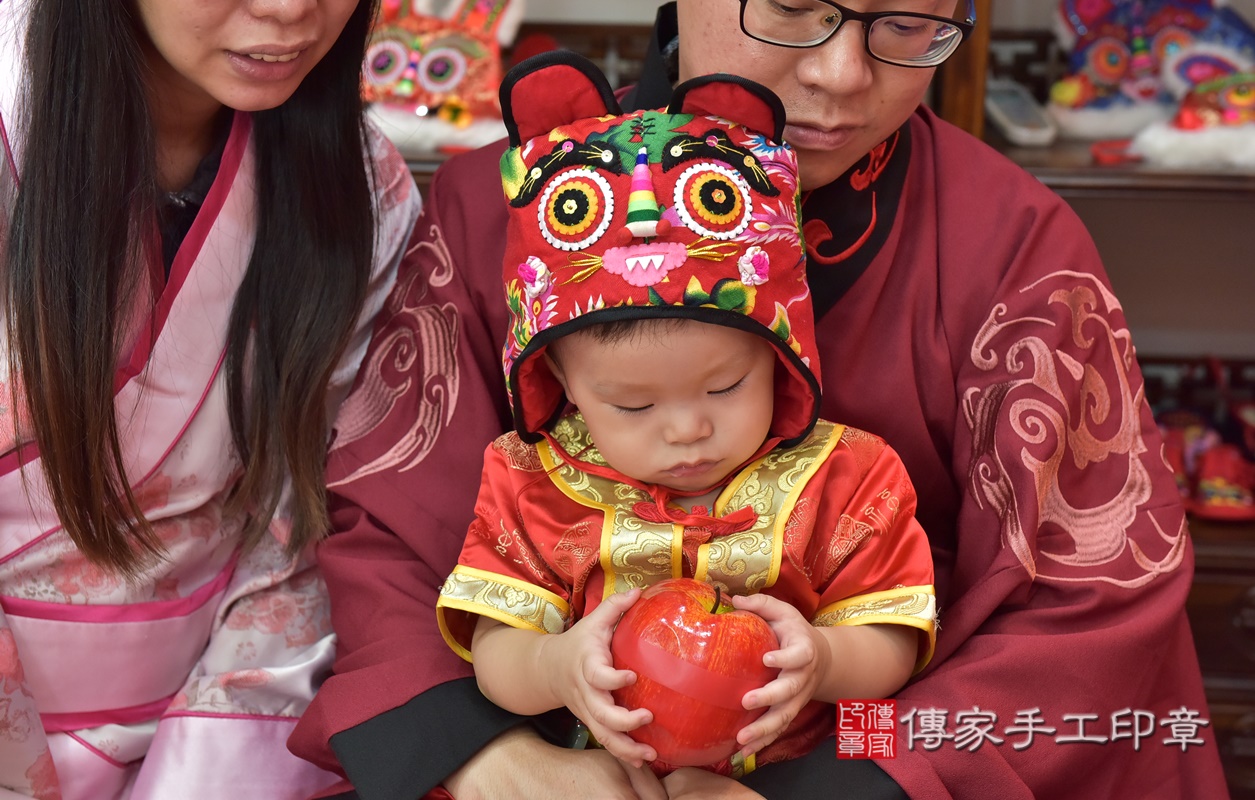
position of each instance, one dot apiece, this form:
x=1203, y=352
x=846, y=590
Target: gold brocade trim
x=634, y=553
x=748, y=562
x=500, y=597
x=913, y=606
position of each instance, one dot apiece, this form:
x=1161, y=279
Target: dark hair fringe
x=615, y=331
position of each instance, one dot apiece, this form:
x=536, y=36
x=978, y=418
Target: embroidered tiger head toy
x=688, y=211
x=447, y=67
x=1225, y=101
x=1124, y=55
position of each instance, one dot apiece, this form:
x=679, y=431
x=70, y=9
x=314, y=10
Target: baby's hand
x=802, y=660
x=582, y=676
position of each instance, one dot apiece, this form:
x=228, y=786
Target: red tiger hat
x=689, y=211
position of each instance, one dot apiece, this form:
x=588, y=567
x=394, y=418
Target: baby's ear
x=551, y=90
x=733, y=98
x=556, y=369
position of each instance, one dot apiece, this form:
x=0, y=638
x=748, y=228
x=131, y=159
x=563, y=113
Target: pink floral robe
x=186, y=682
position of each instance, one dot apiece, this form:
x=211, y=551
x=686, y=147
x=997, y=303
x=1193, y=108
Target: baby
x=665, y=395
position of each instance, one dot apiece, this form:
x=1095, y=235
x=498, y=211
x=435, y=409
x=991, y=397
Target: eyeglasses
x=904, y=39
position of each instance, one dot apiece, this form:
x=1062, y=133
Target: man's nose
x=840, y=65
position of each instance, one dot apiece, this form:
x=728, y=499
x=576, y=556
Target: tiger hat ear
x=733, y=98
x=550, y=90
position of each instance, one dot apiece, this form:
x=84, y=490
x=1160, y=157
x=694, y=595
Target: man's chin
x=820, y=169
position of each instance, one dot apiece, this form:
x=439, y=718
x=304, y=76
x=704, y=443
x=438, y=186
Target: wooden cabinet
x=1222, y=615
x=1176, y=244
x=959, y=87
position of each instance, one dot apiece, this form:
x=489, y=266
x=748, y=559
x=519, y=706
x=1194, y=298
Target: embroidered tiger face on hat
x=689, y=211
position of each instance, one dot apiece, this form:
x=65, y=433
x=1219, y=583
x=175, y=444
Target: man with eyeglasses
x=904, y=38
x=962, y=314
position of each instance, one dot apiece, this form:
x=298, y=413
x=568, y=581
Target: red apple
x=694, y=659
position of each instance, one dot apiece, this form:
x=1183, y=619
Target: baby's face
x=680, y=404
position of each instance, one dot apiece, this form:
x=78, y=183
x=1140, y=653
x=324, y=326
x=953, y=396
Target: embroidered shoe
x=1187, y=436
x=1226, y=485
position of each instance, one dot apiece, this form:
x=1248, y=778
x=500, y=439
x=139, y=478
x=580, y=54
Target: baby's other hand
x=802, y=660
x=582, y=675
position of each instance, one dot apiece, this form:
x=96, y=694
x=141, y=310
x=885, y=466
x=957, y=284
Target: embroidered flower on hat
x=755, y=265
x=535, y=276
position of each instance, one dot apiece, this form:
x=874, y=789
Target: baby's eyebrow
x=618, y=387
x=728, y=370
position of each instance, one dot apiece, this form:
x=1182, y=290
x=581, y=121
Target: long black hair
x=84, y=207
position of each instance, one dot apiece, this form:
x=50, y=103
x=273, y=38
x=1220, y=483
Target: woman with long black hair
x=197, y=232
